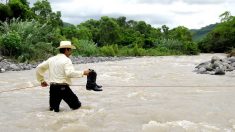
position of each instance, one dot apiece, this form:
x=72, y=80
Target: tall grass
x=25, y=40
x=178, y=47
x=85, y=47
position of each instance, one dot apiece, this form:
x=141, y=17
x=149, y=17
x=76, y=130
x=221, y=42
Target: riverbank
x=10, y=65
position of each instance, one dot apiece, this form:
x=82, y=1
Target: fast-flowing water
x=149, y=94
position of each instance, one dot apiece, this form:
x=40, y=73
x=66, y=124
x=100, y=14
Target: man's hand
x=44, y=84
x=86, y=72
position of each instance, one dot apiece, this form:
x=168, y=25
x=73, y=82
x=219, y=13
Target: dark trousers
x=59, y=92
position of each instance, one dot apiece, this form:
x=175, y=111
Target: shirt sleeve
x=70, y=72
x=41, y=69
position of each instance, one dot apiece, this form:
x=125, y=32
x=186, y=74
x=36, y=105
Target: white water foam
x=181, y=126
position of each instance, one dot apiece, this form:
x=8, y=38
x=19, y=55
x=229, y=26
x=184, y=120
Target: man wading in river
x=61, y=71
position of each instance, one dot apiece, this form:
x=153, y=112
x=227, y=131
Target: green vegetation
x=28, y=34
x=231, y=52
x=222, y=37
x=25, y=40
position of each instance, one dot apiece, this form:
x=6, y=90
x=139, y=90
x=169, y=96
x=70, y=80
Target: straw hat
x=66, y=44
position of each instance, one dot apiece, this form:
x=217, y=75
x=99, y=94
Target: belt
x=61, y=84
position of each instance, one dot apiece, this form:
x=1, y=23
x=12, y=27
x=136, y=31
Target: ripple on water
x=179, y=126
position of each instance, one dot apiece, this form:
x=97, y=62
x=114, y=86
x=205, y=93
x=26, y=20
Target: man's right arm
x=71, y=72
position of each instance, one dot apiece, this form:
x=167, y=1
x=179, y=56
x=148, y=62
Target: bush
x=191, y=48
x=107, y=51
x=85, y=47
x=127, y=51
x=136, y=51
x=231, y=53
x=11, y=44
x=124, y=51
x=162, y=51
x=171, y=44
x=27, y=40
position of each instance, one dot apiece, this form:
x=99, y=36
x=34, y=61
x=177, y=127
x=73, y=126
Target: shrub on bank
x=191, y=48
x=107, y=51
x=231, y=52
x=26, y=40
x=85, y=47
x=10, y=44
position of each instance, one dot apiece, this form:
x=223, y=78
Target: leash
x=149, y=86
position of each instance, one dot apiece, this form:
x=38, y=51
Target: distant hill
x=199, y=34
x=66, y=24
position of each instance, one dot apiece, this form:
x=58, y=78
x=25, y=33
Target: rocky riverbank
x=9, y=65
x=216, y=66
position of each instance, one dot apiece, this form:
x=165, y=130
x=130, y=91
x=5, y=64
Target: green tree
x=121, y=21
x=165, y=30
x=226, y=16
x=5, y=12
x=70, y=32
x=180, y=33
x=222, y=38
x=108, y=31
x=84, y=33
x=20, y=9
x=43, y=11
x=142, y=27
x=92, y=26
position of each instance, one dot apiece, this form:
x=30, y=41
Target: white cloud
x=189, y=13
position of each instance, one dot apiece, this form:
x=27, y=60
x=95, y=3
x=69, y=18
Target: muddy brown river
x=147, y=94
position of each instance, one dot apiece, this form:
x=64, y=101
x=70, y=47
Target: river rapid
x=147, y=94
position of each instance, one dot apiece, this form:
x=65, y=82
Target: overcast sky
x=192, y=14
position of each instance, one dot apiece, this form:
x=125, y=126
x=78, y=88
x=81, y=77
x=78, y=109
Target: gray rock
x=230, y=68
x=233, y=64
x=202, y=70
x=2, y=70
x=231, y=59
x=204, y=64
x=209, y=67
x=216, y=64
x=226, y=61
x=1, y=58
x=14, y=67
x=219, y=71
x=215, y=58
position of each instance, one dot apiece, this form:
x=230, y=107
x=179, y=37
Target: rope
x=153, y=86
x=18, y=89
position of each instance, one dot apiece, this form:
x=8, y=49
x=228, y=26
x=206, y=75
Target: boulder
x=215, y=58
x=2, y=70
x=219, y=71
x=216, y=66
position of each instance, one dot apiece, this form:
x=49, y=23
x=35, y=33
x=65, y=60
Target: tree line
x=31, y=33
x=222, y=38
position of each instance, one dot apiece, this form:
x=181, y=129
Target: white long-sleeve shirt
x=60, y=68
